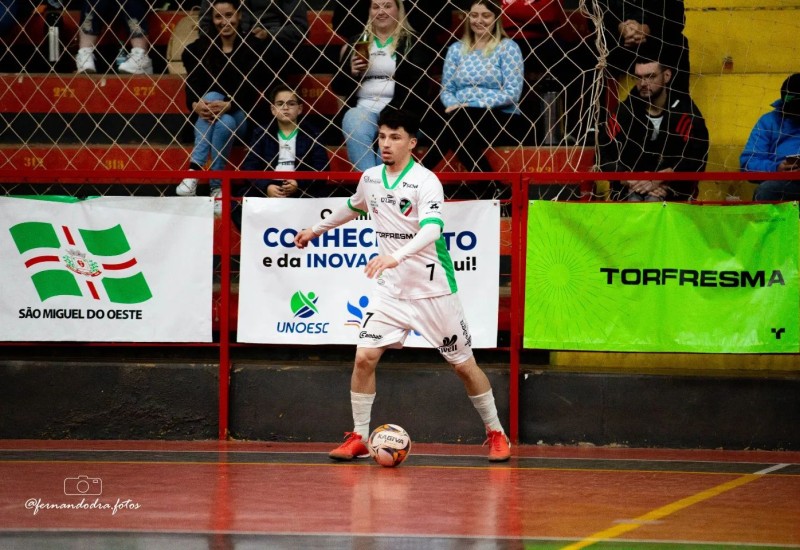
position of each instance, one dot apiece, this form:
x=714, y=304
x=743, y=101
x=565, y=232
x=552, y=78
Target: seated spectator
x=392, y=75
x=481, y=87
x=220, y=91
x=283, y=21
x=774, y=145
x=430, y=20
x=287, y=144
x=630, y=24
x=97, y=13
x=655, y=130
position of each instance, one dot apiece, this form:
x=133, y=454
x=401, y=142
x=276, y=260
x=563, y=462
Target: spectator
x=630, y=24
x=654, y=130
x=481, y=87
x=96, y=12
x=219, y=91
x=286, y=145
x=774, y=145
x=391, y=76
x=282, y=21
x=430, y=20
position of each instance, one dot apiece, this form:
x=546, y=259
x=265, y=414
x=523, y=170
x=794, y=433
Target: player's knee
x=366, y=360
x=465, y=369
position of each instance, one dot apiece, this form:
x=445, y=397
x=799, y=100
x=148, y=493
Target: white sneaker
x=187, y=187
x=85, y=61
x=216, y=194
x=138, y=62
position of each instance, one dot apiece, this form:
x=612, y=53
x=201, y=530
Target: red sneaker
x=353, y=447
x=499, y=446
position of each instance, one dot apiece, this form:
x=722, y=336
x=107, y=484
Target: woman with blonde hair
x=389, y=72
x=482, y=83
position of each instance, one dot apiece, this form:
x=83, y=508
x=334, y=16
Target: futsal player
x=416, y=283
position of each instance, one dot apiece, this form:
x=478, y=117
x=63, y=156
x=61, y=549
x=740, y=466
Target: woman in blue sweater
x=482, y=83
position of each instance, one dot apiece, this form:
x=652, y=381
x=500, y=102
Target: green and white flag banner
x=110, y=269
x=665, y=277
x=319, y=295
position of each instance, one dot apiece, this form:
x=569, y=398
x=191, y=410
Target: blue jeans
x=215, y=139
x=360, y=127
x=778, y=190
x=96, y=15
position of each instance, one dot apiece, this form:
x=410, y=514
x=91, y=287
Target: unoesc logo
x=303, y=306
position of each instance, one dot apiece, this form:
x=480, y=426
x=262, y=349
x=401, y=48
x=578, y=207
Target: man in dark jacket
x=654, y=130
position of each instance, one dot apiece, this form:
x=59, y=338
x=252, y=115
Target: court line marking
x=72, y=531
x=671, y=508
x=364, y=463
x=359, y=534
x=434, y=455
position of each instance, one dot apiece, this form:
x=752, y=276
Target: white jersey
x=399, y=206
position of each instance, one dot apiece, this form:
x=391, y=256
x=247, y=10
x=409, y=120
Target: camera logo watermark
x=82, y=486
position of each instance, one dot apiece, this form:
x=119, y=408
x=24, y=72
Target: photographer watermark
x=82, y=486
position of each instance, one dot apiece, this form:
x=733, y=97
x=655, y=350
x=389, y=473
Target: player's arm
x=425, y=236
x=340, y=216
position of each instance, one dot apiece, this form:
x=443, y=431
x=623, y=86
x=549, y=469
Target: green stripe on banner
x=106, y=242
x=662, y=277
x=127, y=290
x=55, y=283
x=30, y=235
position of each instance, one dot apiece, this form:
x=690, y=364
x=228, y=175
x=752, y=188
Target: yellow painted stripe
x=664, y=511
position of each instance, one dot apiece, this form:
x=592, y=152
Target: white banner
x=110, y=269
x=318, y=295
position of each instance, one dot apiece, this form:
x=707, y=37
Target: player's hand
x=789, y=165
x=303, y=237
x=377, y=264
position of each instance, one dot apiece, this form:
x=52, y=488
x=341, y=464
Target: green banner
x=662, y=277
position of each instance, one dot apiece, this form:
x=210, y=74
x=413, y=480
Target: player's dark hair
x=399, y=118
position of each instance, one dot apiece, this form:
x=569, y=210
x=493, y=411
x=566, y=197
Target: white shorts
x=440, y=320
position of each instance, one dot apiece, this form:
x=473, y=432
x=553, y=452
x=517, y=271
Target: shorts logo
x=405, y=207
x=364, y=334
x=448, y=344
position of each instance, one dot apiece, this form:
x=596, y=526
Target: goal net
x=731, y=57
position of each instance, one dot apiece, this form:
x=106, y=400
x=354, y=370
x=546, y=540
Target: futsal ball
x=389, y=445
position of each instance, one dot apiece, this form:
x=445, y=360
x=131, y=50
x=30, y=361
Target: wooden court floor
x=239, y=495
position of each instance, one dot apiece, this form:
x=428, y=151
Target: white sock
x=484, y=404
x=362, y=411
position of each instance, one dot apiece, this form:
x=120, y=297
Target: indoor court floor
x=243, y=495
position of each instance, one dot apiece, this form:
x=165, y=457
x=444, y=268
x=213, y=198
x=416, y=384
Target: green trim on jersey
x=437, y=221
x=284, y=137
x=447, y=263
x=354, y=209
x=388, y=41
x=403, y=173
